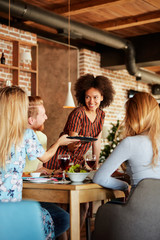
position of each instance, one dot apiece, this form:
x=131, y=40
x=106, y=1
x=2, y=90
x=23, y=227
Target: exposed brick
x=122, y=82
x=6, y=73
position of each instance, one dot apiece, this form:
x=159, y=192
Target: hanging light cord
x=69, y=29
x=9, y=13
x=8, y=82
x=69, y=101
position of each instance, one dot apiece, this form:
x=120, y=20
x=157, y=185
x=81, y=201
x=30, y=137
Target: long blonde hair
x=143, y=116
x=13, y=119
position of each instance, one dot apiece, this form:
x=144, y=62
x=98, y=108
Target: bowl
x=35, y=174
x=77, y=177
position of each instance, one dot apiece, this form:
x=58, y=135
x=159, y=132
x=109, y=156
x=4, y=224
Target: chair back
x=138, y=218
x=21, y=221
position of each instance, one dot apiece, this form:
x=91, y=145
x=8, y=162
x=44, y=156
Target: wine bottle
x=2, y=58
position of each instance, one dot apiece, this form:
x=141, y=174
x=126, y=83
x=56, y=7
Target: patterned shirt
x=11, y=176
x=33, y=165
x=78, y=122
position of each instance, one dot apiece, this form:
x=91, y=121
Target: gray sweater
x=137, y=151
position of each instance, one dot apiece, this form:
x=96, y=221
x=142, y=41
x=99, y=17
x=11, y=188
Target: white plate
x=39, y=180
x=36, y=180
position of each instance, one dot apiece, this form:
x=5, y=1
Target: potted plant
x=113, y=140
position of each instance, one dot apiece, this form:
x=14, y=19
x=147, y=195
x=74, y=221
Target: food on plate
x=77, y=168
x=26, y=174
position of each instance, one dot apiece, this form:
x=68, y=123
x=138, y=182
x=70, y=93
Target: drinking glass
x=63, y=160
x=91, y=161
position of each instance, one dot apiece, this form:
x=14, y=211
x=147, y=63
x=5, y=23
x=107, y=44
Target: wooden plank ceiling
x=137, y=20
x=126, y=18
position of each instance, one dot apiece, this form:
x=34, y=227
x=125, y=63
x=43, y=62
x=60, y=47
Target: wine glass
x=91, y=161
x=63, y=160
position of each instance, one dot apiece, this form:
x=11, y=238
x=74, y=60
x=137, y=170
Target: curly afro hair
x=101, y=83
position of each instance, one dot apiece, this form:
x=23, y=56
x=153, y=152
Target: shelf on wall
x=28, y=70
x=8, y=67
x=16, y=65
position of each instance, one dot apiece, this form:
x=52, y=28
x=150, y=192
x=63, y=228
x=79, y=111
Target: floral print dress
x=11, y=176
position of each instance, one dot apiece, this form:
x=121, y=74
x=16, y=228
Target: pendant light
x=69, y=103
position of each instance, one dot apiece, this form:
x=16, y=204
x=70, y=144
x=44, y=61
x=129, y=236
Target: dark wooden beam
x=131, y=21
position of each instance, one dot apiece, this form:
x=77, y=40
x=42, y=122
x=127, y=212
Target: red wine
x=63, y=162
x=91, y=163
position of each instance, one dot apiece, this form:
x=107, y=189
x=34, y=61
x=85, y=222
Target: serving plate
x=83, y=139
x=41, y=179
x=36, y=180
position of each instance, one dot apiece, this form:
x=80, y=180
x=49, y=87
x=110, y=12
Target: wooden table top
x=71, y=186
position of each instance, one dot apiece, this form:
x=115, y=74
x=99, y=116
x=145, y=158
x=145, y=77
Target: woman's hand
x=44, y=170
x=73, y=146
x=47, y=171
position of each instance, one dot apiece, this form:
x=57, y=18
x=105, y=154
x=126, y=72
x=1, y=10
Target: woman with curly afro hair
x=100, y=83
x=92, y=94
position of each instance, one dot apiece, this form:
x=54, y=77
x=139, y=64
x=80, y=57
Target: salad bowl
x=77, y=176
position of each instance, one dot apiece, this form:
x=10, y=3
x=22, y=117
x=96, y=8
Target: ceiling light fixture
x=69, y=103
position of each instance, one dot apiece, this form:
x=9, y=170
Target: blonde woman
x=140, y=146
x=16, y=141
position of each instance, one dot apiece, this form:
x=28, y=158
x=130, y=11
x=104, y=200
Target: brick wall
x=89, y=62
x=7, y=47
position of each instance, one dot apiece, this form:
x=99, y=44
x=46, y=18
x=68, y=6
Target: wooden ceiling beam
x=85, y=6
x=127, y=22
x=40, y=27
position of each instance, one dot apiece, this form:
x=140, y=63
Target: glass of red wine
x=91, y=161
x=63, y=160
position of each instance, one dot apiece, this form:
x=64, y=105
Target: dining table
x=72, y=194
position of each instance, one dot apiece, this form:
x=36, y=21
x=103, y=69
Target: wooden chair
x=21, y=221
x=137, y=219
